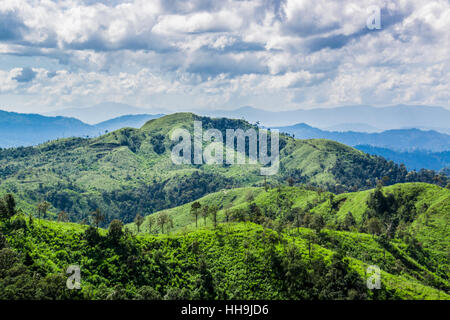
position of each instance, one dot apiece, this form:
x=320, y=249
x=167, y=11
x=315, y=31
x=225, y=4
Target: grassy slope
x=55, y=245
x=433, y=235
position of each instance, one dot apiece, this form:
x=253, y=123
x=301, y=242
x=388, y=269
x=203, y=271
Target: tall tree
x=8, y=207
x=150, y=223
x=98, y=217
x=205, y=213
x=163, y=220
x=374, y=225
x=42, y=208
x=139, y=220
x=195, y=208
x=62, y=216
x=213, y=212
x=115, y=231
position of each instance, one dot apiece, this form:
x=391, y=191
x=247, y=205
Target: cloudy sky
x=178, y=55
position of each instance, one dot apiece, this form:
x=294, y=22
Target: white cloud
x=269, y=54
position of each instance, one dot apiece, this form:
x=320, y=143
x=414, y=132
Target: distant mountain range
x=359, y=118
x=398, y=140
x=414, y=160
x=347, y=118
x=413, y=147
x=101, y=112
x=18, y=129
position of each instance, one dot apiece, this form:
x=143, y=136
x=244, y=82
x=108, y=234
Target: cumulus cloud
x=26, y=75
x=228, y=53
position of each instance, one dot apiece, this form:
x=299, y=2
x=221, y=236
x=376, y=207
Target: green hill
x=233, y=261
x=129, y=171
x=417, y=242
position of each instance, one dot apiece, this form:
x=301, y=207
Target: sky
x=187, y=55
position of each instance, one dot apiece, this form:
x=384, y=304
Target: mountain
x=358, y=127
x=100, y=112
x=19, y=129
x=130, y=171
x=414, y=160
x=383, y=118
x=397, y=140
x=127, y=121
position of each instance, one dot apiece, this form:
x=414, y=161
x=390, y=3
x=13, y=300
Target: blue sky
x=179, y=55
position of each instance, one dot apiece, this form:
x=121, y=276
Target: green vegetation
x=129, y=171
x=148, y=229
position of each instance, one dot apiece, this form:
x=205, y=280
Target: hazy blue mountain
x=397, y=140
x=132, y=121
x=100, y=112
x=383, y=118
x=358, y=127
x=19, y=129
x=414, y=160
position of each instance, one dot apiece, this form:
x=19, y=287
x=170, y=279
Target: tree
x=139, y=220
x=227, y=212
x=213, y=211
x=374, y=225
x=115, y=231
x=317, y=223
x=150, y=223
x=205, y=213
x=8, y=207
x=298, y=217
x=349, y=221
x=290, y=181
x=195, y=207
x=163, y=220
x=42, y=207
x=98, y=217
x=62, y=216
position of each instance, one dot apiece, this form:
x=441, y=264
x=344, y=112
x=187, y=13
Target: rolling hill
x=266, y=256
x=130, y=171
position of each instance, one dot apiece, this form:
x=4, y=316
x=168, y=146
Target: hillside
x=425, y=203
x=130, y=171
x=413, y=239
x=234, y=260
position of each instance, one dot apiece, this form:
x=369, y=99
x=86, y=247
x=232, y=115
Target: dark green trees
x=195, y=210
x=115, y=231
x=7, y=207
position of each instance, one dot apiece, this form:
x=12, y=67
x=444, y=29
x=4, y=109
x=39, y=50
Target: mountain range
x=18, y=129
x=345, y=118
x=348, y=117
x=398, y=140
x=101, y=112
